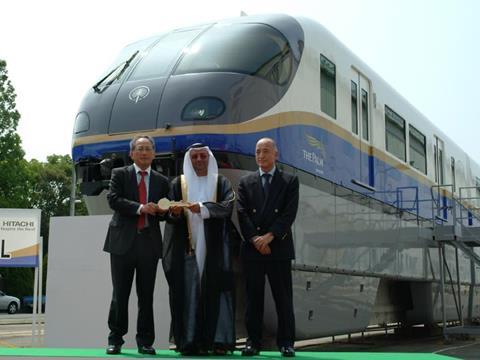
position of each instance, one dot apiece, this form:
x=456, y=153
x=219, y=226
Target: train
x=383, y=191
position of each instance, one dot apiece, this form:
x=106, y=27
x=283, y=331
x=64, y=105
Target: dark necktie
x=142, y=197
x=266, y=184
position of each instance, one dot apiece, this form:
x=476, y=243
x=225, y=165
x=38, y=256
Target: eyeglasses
x=146, y=149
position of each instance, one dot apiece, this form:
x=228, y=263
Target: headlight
x=205, y=108
x=82, y=123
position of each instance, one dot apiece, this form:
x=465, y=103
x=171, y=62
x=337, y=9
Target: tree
x=12, y=164
x=13, y=176
x=32, y=184
x=18, y=281
x=47, y=187
x=49, y=190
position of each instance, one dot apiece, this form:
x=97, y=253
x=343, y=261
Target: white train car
x=378, y=179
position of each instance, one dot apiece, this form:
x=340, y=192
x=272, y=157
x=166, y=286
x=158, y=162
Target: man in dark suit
x=267, y=206
x=134, y=241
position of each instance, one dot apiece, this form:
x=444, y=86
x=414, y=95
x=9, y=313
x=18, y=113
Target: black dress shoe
x=287, y=351
x=114, y=349
x=146, y=350
x=250, y=350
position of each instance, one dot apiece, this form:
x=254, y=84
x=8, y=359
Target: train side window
x=328, y=87
x=452, y=167
x=364, y=114
x=438, y=155
x=440, y=165
x=395, y=133
x=354, y=108
x=418, y=153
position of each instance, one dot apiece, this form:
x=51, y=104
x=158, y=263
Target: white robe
x=200, y=189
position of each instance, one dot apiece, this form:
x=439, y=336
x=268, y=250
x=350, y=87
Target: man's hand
x=261, y=243
x=194, y=208
x=150, y=209
x=176, y=210
x=264, y=239
x=161, y=211
x=263, y=249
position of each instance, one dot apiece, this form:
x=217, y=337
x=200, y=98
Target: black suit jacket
x=124, y=200
x=275, y=214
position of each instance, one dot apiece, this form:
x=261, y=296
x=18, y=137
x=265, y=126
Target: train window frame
x=328, y=95
x=417, y=146
x=354, y=105
x=395, y=139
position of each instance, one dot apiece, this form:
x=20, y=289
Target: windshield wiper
x=120, y=68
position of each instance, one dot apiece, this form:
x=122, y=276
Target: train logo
x=317, y=156
x=139, y=93
x=314, y=142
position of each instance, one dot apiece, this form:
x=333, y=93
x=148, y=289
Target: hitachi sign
x=15, y=223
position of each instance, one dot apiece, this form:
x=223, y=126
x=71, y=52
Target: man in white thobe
x=197, y=257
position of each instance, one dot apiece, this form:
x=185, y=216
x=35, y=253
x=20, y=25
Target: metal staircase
x=457, y=224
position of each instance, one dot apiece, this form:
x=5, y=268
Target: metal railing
x=463, y=225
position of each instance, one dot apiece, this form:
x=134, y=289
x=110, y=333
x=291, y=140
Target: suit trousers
x=142, y=261
x=280, y=278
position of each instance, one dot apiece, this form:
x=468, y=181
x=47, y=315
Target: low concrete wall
x=79, y=287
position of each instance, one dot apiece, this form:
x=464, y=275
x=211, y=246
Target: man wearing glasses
x=134, y=241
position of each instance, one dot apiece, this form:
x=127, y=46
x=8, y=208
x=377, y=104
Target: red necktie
x=142, y=196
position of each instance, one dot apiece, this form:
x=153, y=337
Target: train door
x=361, y=126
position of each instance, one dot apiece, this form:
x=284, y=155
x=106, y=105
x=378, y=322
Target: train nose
x=224, y=73
x=187, y=99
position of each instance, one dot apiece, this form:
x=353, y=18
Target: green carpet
x=165, y=354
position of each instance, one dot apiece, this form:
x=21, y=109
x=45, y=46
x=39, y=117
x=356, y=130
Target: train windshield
x=253, y=49
x=129, y=53
x=163, y=55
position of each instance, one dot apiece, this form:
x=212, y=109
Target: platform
x=52, y=353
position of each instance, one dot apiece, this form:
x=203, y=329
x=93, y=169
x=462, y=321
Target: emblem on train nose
x=139, y=93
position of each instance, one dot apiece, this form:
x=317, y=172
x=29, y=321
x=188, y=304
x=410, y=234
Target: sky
x=427, y=50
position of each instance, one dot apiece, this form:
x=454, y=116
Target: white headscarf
x=200, y=189
x=197, y=191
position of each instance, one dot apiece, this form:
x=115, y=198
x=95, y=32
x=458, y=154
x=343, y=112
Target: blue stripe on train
x=309, y=148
